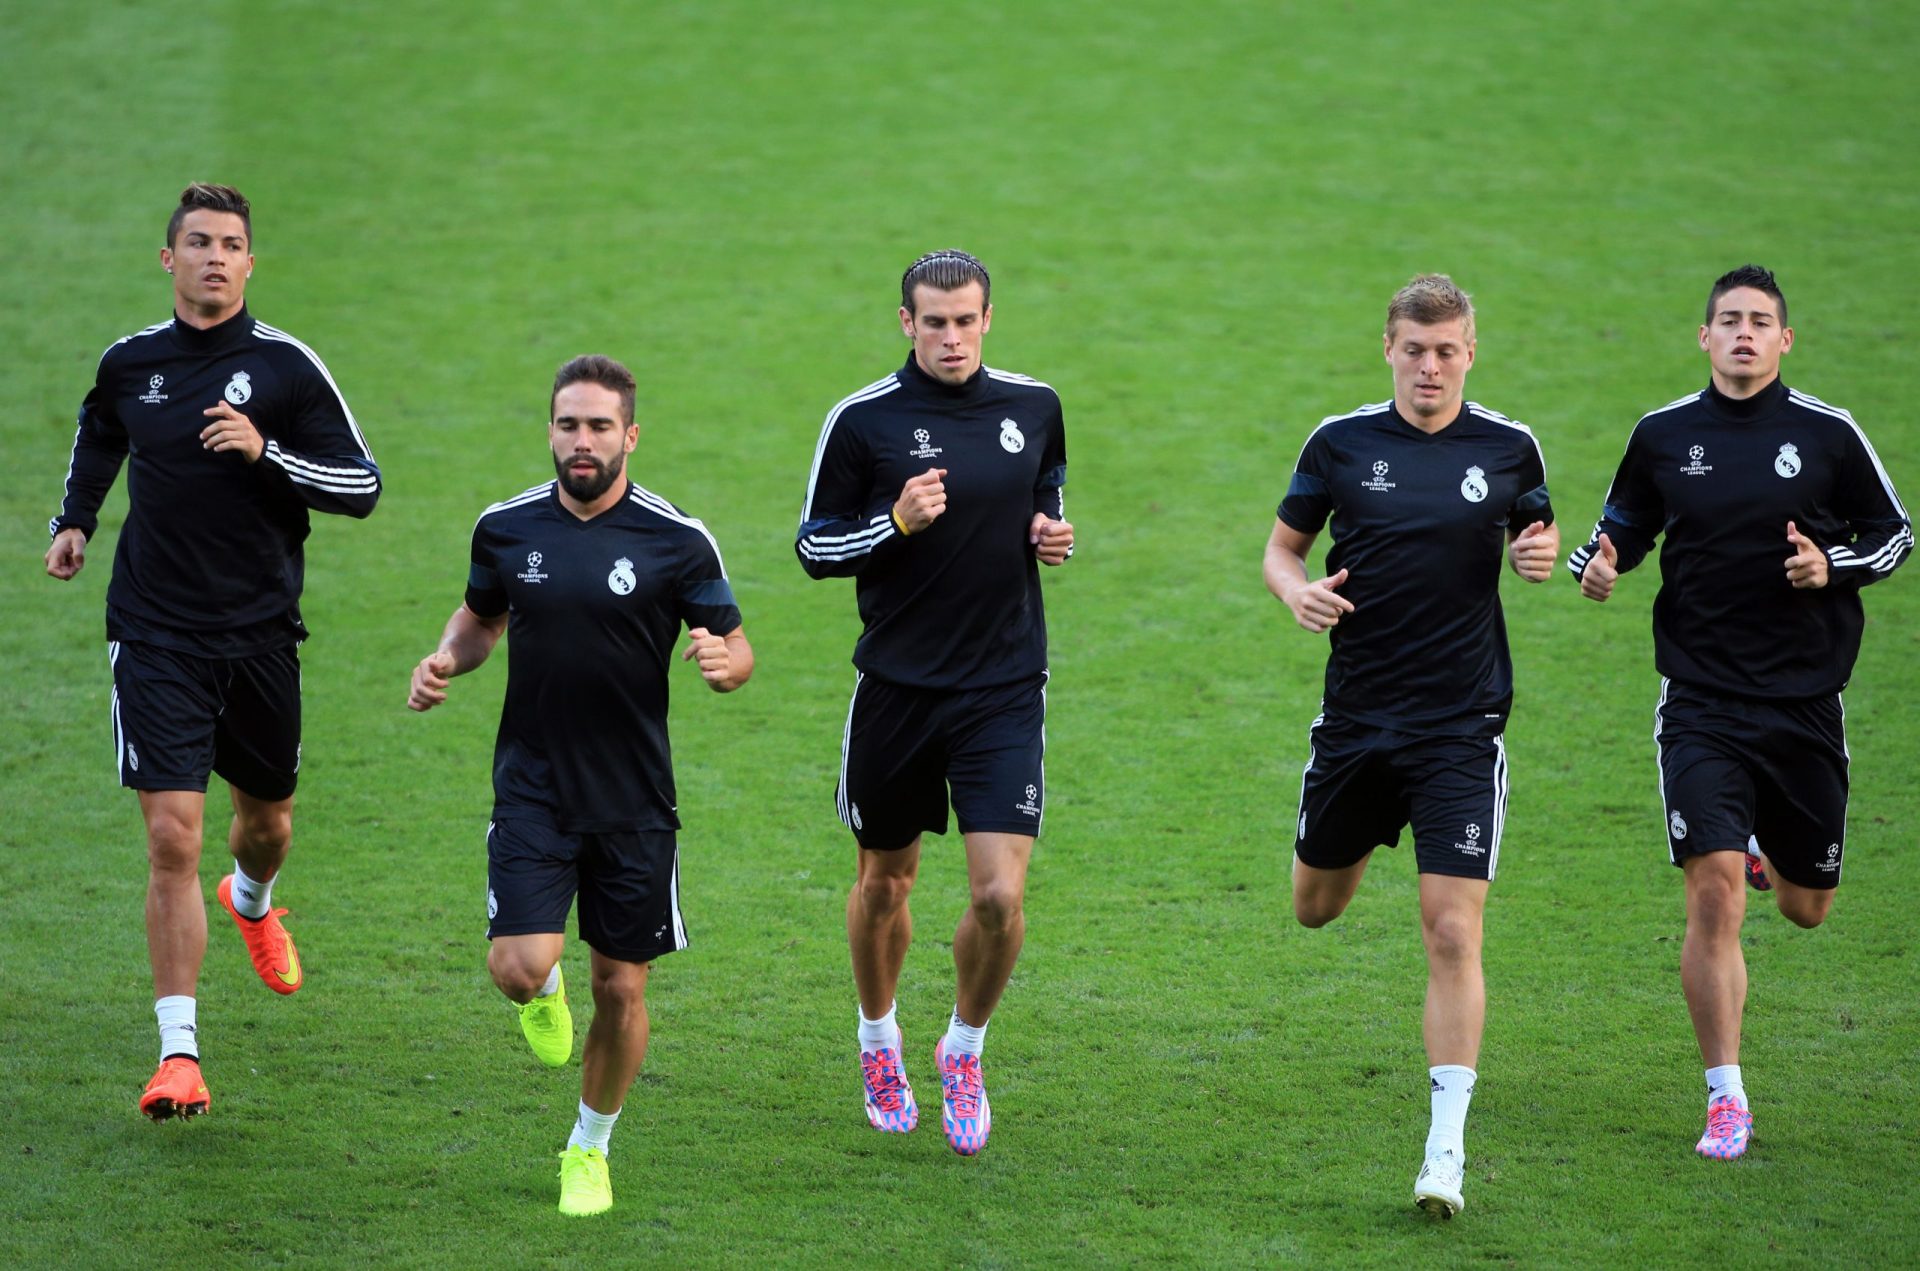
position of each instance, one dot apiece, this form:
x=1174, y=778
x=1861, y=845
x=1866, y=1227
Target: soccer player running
x=938, y=488
x=236, y=433
x=1776, y=512
x=1422, y=493
x=590, y=577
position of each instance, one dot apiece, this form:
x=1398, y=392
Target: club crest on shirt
x=1379, y=482
x=240, y=388
x=1474, y=488
x=532, y=574
x=1787, y=462
x=153, y=396
x=923, y=445
x=1694, y=467
x=1011, y=439
x=621, y=581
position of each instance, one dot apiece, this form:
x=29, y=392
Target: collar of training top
x=911, y=376
x=1760, y=405
x=197, y=340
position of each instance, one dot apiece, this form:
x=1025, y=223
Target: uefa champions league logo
x=1787, y=462
x=1379, y=484
x=1379, y=467
x=1694, y=466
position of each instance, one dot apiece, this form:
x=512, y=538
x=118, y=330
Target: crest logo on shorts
x=1787, y=462
x=239, y=389
x=1474, y=488
x=1301, y=831
x=133, y=758
x=621, y=581
x=1677, y=826
x=923, y=445
x=1011, y=439
x=853, y=810
x=1694, y=466
x=493, y=905
x=532, y=572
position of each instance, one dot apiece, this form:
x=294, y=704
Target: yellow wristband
x=900, y=524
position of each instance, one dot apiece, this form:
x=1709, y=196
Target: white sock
x=552, y=985
x=593, y=1129
x=882, y=1033
x=963, y=1038
x=1724, y=1083
x=1452, y=1092
x=251, y=899
x=178, y=1035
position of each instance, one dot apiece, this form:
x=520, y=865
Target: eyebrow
x=585, y=419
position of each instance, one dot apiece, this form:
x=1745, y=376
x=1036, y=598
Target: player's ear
x=986, y=319
x=1703, y=337
x=633, y=437
x=166, y=259
x=906, y=322
x=1786, y=340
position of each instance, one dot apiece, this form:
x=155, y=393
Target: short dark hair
x=1759, y=277
x=1429, y=299
x=595, y=368
x=946, y=270
x=214, y=198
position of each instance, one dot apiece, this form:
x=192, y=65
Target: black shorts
x=1776, y=772
x=904, y=748
x=178, y=717
x=1364, y=783
x=628, y=884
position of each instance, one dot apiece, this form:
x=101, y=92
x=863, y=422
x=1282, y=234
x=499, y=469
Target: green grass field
x=1195, y=214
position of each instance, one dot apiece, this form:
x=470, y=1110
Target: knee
x=1314, y=912
x=997, y=904
x=173, y=843
x=1717, y=908
x=620, y=990
x=1808, y=909
x=1453, y=938
x=881, y=894
x=515, y=974
x=269, y=828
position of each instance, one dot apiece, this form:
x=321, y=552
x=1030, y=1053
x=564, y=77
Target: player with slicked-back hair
x=236, y=433
x=1776, y=512
x=938, y=489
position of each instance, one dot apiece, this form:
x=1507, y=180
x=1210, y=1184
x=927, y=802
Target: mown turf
x=1194, y=214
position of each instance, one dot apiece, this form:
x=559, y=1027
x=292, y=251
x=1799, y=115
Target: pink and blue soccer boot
x=890, y=1105
x=964, y=1113
x=1729, y=1128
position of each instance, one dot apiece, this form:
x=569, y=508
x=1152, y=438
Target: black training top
x=594, y=610
x=211, y=560
x=1721, y=479
x=1420, y=520
x=956, y=605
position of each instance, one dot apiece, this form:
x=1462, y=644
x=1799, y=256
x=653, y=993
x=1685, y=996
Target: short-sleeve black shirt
x=595, y=609
x=1420, y=520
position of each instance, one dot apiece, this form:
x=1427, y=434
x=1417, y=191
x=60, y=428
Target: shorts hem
x=1029, y=830
x=637, y=958
x=527, y=929
x=1680, y=856
x=156, y=785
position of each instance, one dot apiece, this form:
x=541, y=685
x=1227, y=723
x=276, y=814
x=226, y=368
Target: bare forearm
x=469, y=638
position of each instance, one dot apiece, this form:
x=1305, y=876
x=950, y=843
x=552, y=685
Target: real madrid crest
x=1787, y=462
x=621, y=581
x=1474, y=488
x=1011, y=439
x=240, y=389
